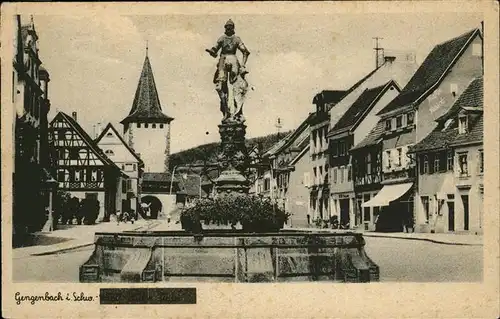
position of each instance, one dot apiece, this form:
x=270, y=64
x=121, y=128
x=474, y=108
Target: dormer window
x=462, y=124
x=388, y=124
x=410, y=118
x=399, y=121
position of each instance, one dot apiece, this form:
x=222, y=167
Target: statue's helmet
x=229, y=23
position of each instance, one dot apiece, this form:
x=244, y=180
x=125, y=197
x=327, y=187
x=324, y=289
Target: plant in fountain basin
x=255, y=214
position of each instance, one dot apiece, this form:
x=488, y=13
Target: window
x=368, y=163
x=341, y=174
x=349, y=173
x=306, y=179
x=462, y=124
x=146, y=125
x=343, y=149
x=425, y=168
x=138, y=124
x=161, y=125
x=315, y=175
x=425, y=203
x=388, y=125
x=93, y=175
x=335, y=175
x=481, y=162
x=78, y=175
x=109, y=134
x=321, y=174
x=129, y=167
x=450, y=160
x=388, y=157
x=436, y=163
x=410, y=118
x=477, y=49
x=73, y=154
x=60, y=175
x=463, y=165
x=399, y=121
x=335, y=149
x=267, y=184
x=109, y=153
x=153, y=125
x=400, y=153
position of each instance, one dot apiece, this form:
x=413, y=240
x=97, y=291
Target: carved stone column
x=233, y=159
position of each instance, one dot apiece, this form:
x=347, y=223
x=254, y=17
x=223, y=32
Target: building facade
x=83, y=169
x=451, y=168
x=354, y=125
x=33, y=158
x=411, y=116
x=117, y=150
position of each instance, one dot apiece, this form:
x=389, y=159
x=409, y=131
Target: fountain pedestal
x=233, y=159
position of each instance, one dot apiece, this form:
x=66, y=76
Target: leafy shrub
x=255, y=214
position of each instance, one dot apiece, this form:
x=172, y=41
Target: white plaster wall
x=151, y=144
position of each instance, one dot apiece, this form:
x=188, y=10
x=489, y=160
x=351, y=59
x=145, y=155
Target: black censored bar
x=145, y=296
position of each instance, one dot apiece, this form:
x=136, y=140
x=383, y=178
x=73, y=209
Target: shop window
x=366, y=210
x=425, y=204
x=463, y=168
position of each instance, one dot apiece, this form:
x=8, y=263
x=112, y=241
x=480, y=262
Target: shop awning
x=388, y=194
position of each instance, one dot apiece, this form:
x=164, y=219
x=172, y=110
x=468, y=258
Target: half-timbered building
x=83, y=169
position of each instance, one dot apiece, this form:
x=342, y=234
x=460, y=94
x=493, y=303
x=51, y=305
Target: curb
x=77, y=246
x=423, y=239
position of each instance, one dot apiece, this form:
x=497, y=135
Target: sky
x=95, y=63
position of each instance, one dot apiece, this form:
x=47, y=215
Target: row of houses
x=401, y=148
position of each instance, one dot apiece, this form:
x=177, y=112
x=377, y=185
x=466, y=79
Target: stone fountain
x=229, y=255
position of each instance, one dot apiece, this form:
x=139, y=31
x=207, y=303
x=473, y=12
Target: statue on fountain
x=229, y=78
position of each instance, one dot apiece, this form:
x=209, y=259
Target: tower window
x=146, y=125
x=161, y=125
x=138, y=124
x=153, y=125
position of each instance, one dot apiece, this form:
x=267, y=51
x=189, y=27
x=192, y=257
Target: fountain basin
x=229, y=256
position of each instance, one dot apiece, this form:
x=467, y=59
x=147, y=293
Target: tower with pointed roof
x=146, y=128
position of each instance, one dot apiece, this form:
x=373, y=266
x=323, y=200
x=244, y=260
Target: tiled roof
x=472, y=101
x=436, y=64
x=373, y=138
x=146, y=105
x=471, y=97
x=364, y=103
x=111, y=127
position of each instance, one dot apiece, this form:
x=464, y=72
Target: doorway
x=451, y=216
x=465, y=201
x=344, y=211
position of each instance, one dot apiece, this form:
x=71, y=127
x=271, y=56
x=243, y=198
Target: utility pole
x=377, y=50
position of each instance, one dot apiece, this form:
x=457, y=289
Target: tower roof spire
x=146, y=106
x=147, y=47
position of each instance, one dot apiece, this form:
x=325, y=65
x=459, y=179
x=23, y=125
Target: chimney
x=73, y=115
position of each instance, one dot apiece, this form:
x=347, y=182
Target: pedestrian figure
x=118, y=217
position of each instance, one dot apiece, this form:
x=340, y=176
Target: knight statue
x=229, y=78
